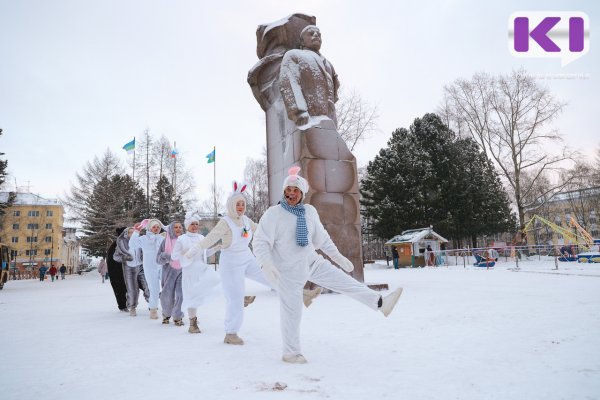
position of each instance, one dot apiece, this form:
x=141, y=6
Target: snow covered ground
x=457, y=333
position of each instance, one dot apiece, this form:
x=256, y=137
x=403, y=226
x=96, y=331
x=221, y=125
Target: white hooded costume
x=200, y=282
x=290, y=264
x=237, y=261
x=149, y=244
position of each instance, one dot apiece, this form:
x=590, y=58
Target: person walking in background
x=286, y=241
x=115, y=267
x=199, y=282
x=102, y=269
x=42, y=272
x=171, y=296
x=149, y=245
x=62, y=270
x=52, y=271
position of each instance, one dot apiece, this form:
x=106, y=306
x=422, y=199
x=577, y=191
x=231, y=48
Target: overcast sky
x=78, y=77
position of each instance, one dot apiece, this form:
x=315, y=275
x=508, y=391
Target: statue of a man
x=308, y=82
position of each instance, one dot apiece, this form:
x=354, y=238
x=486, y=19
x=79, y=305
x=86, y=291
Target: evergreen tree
x=166, y=206
x=115, y=201
x=426, y=176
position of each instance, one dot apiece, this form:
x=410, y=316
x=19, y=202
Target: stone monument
x=297, y=88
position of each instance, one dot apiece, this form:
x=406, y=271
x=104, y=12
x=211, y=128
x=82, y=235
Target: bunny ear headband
x=239, y=187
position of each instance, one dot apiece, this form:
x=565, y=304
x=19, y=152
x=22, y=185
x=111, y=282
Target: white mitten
x=191, y=253
x=343, y=262
x=271, y=273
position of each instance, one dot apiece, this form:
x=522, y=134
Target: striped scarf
x=301, y=229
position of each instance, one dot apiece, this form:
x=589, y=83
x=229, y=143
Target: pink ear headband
x=239, y=187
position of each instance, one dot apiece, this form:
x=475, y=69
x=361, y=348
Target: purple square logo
x=549, y=34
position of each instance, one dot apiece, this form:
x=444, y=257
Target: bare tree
x=82, y=190
x=356, y=118
x=583, y=197
x=208, y=205
x=255, y=175
x=510, y=117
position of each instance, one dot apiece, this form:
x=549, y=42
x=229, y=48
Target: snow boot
x=309, y=295
x=389, y=302
x=233, y=338
x=132, y=312
x=154, y=313
x=248, y=300
x=194, y=325
x=294, y=359
x=178, y=322
x=166, y=320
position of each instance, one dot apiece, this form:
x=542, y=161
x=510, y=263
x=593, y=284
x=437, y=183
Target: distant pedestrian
x=53, y=271
x=62, y=271
x=395, y=257
x=103, y=269
x=42, y=272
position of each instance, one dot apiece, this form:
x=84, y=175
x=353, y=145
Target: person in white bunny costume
x=285, y=244
x=236, y=262
x=200, y=283
x=149, y=244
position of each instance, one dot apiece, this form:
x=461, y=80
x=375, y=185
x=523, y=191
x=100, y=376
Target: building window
x=33, y=214
x=15, y=239
x=13, y=254
x=17, y=213
x=595, y=233
x=31, y=239
x=33, y=226
x=15, y=226
x=47, y=252
x=48, y=239
x=48, y=226
x=31, y=252
x=49, y=213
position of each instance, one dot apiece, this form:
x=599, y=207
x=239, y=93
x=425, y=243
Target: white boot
x=389, y=302
x=294, y=359
x=309, y=295
x=154, y=313
x=132, y=312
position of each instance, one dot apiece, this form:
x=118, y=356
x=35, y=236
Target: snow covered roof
x=414, y=235
x=30, y=199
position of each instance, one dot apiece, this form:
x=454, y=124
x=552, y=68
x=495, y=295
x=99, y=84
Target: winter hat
x=152, y=222
x=191, y=216
x=235, y=196
x=293, y=179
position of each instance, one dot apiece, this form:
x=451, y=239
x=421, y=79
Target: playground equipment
x=570, y=237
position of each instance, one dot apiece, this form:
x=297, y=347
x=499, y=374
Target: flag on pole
x=211, y=157
x=130, y=147
x=174, y=153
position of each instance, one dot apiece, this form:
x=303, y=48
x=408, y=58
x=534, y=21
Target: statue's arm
x=291, y=90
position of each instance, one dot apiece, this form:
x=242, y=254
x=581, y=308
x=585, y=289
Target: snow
x=457, y=333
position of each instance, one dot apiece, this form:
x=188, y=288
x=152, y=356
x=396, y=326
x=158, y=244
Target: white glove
x=343, y=262
x=191, y=253
x=271, y=273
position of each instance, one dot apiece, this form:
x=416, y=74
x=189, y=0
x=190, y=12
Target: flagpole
x=215, y=180
x=133, y=172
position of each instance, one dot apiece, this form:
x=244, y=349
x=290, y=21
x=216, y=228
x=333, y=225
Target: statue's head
x=310, y=38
